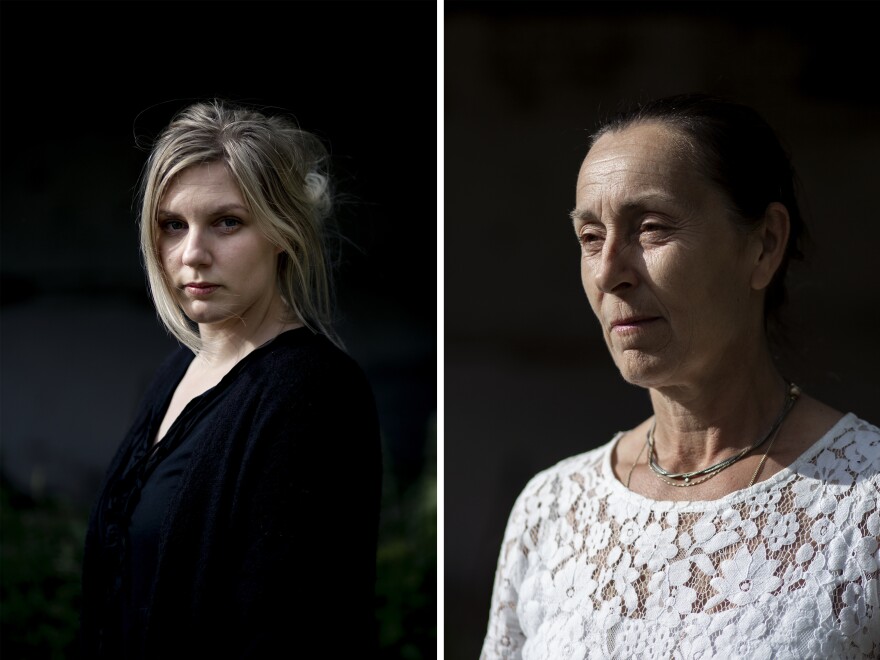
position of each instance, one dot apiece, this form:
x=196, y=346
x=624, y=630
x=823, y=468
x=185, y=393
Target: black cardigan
x=269, y=544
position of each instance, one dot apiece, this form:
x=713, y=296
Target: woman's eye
x=653, y=231
x=651, y=224
x=172, y=226
x=229, y=223
x=589, y=238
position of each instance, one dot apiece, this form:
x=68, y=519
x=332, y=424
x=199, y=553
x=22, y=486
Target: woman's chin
x=643, y=369
x=203, y=316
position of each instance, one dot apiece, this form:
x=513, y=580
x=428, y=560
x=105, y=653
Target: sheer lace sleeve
x=538, y=501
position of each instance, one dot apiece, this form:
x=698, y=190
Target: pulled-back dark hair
x=737, y=149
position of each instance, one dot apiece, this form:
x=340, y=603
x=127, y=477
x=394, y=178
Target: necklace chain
x=687, y=479
x=635, y=462
x=763, y=458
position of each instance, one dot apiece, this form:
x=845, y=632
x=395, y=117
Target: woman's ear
x=772, y=237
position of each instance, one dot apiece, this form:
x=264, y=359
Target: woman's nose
x=614, y=269
x=196, y=249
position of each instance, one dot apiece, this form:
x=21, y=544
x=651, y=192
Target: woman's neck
x=702, y=423
x=224, y=344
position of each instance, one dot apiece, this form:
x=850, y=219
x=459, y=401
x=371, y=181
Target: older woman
x=742, y=518
x=239, y=515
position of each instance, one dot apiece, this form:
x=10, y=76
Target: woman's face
x=665, y=269
x=219, y=264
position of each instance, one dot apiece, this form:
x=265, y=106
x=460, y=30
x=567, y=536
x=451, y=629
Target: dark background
x=527, y=377
x=82, y=83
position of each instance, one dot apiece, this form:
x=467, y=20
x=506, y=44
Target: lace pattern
x=787, y=568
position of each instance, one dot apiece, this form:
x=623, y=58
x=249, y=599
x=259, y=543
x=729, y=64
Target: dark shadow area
x=527, y=377
x=83, y=83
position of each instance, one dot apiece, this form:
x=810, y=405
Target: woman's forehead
x=204, y=180
x=641, y=156
x=643, y=145
x=641, y=167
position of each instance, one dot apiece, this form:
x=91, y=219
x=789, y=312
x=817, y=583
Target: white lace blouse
x=787, y=568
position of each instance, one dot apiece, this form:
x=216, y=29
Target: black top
x=160, y=481
x=252, y=525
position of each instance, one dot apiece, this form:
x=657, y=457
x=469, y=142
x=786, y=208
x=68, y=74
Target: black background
x=527, y=378
x=82, y=84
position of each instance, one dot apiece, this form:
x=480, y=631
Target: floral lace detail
x=787, y=568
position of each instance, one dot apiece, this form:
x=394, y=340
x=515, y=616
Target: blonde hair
x=282, y=173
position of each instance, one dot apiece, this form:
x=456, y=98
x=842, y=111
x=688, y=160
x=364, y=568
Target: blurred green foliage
x=406, y=582
x=41, y=542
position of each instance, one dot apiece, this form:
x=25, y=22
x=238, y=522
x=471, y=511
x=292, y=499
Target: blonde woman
x=240, y=512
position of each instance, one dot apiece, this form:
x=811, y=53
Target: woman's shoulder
x=169, y=371
x=579, y=469
x=853, y=440
x=301, y=371
x=301, y=356
x=863, y=427
x=846, y=457
x=550, y=493
x=847, y=430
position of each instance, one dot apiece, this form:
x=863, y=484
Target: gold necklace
x=635, y=462
x=687, y=478
x=763, y=458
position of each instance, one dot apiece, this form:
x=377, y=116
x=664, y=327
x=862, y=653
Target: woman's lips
x=634, y=324
x=200, y=289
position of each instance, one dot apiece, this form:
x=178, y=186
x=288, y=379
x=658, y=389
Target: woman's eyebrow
x=581, y=215
x=219, y=210
x=639, y=204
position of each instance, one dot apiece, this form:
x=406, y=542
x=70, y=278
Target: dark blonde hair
x=282, y=173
